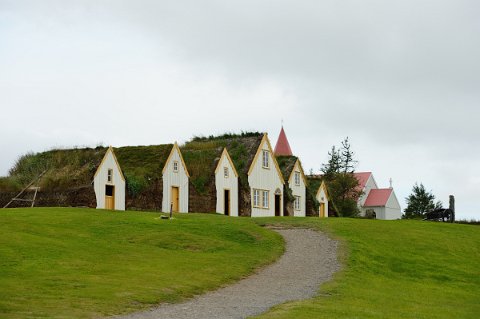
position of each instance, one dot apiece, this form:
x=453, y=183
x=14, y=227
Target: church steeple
x=282, y=148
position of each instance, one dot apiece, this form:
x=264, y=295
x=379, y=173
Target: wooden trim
x=110, y=148
x=260, y=148
x=260, y=198
x=175, y=147
x=225, y=153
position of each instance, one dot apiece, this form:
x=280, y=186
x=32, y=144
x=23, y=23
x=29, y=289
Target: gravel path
x=309, y=260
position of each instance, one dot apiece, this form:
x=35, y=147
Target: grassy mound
x=395, y=269
x=83, y=263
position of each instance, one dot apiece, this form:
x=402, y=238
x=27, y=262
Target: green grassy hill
x=84, y=263
x=394, y=269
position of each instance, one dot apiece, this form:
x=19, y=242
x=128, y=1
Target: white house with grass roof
x=109, y=183
x=322, y=198
x=298, y=185
x=226, y=184
x=266, y=182
x=175, y=178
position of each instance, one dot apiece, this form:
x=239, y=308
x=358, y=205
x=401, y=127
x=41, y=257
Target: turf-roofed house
x=175, y=177
x=109, y=183
x=295, y=182
x=317, y=187
x=79, y=178
x=234, y=174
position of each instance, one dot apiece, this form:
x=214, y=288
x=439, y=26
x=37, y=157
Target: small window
x=297, y=203
x=110, y=175
x=225, y=172
x=265, y=162
x=297, y=178
x=175, y=166
x=256, y=199
x=265, y=199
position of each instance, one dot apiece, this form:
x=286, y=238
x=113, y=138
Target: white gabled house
x=266, y=182
x=298, y=184
x=322, y=198
x=175, y=179
x=226, y=184
x=109, y=183
x=291, y=168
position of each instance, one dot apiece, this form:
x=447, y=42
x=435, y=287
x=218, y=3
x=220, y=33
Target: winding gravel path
x=309, y=260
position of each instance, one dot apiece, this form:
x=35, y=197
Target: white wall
x=390, y=211
x=393, y=209
x=101, y=179
x=298, y=190
x=265, y=179
x=230, y=183
x=322, y=198
x=178, y=179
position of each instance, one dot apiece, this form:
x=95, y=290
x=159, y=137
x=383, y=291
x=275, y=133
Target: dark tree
x=333, y=165
x=348, y=163
x=341, y=183
x=420, y=202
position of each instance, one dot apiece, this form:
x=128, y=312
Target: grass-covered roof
x=68, y=168
x=314, y=182
x=201, y=155
x=286, y=164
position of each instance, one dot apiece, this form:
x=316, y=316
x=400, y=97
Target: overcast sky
x=400, y=78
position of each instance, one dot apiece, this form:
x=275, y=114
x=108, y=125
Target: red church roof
x=362, y=178
x=282, y=148
x=378, y=197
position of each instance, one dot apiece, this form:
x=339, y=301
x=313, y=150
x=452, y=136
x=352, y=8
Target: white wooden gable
x=175, y=174
x=265, y=179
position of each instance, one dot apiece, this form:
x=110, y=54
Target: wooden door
x=109, y=197
x=175, y=198
x=226, y=202
x=322, y=209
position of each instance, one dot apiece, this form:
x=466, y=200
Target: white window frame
x=265, y=159
x=265, y=199
x=297, y=202
x=225, y=172
x=110, y=175
x=175, y=166
x=297, y=178
x=256, y=197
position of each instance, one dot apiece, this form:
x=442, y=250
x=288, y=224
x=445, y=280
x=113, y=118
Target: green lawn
x=395, y=269
x=83, y=263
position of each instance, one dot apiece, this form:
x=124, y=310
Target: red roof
x=282, y=148
x=378, y=197
x=362, y=178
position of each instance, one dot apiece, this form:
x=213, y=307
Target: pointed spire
x=282, y=148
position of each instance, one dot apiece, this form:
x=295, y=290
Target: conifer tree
x=420, y=202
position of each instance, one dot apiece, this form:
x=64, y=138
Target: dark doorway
x=108, y=190
x=277, y=204
x=226, y=202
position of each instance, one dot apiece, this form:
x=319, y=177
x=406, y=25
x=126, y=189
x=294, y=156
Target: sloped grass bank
x=394, y=269
x=84, y=263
